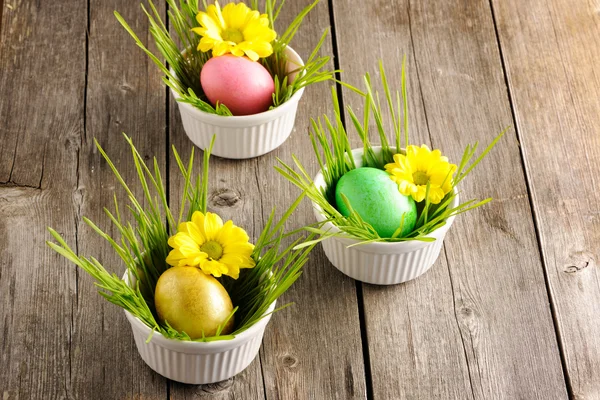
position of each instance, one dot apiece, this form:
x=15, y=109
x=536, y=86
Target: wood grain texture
x=495, y=291
x=478, y=325
x=311, y=350
x=234, y=197
x=551, y=55
x=124, y=94
x=38, y=159
x=414, y=339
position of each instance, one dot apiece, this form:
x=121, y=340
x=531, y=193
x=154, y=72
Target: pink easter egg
x=243, y=85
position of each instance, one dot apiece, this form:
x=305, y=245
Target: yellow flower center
x=232, y=35
x=420, y=178
x=213, y=249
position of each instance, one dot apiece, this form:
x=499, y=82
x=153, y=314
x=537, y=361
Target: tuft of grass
x=334, y=155
x=186, y=61
x=141, y=243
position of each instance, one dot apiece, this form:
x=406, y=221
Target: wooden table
x=510, y=310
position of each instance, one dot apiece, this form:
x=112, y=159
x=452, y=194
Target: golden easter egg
x=192, y=302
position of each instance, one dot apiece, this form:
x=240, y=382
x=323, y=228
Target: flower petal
x=217, y=24
x=436, y=195
x=212, y=224
x=234, y=241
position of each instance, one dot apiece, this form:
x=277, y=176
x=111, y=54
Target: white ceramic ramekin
x=380, y=263
x=198, y=362
x=245, y=136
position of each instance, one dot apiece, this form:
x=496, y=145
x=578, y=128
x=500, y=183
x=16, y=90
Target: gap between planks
x=358, y=285
x=1, y=13
x=167, y=156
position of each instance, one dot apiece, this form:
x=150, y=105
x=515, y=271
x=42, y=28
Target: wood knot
x=224, y=198
x=289, y=361
x=579, y=261
x=125, y=87
x=496, y=218
x=571, y=269
x=79, y=195
x=467, y=312
x=72, y=143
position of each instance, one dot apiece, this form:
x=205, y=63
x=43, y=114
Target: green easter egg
x=375, y=197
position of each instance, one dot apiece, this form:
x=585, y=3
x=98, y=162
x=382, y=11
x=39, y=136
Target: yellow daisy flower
x=235, y=29
x=217, y=248
x=420, y=165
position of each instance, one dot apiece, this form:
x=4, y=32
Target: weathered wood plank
x=484, y=330
x=413, y=336
x=551, y=54
x=233, y=195
x=313, y=349
x=20, y=161
x=38, y=171
x=124, y=94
